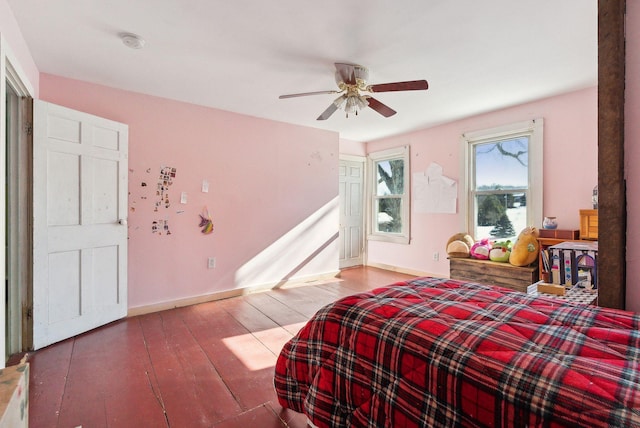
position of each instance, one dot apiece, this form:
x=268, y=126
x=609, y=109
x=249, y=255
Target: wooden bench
x=493, y=273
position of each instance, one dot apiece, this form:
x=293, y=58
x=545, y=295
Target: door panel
x=80, y=245
x=64, y=286
x=63, y=201
x=103, y=197
x=64, y=129
x=105, y=277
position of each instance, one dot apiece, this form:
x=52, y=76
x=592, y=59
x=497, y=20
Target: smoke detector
x=132, y=41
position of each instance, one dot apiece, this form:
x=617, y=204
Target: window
x=389, y=188
x=503, y=180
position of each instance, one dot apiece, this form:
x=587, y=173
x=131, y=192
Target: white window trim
x=404, y=236
x=535, y=128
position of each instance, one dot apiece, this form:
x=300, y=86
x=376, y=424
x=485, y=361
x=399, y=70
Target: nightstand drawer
x=589, y=224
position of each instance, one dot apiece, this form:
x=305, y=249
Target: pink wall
x=632, y=153
x=355, y=148
x=272, y=194
x=12, y=35
x=570, y=171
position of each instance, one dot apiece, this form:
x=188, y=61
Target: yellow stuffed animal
x=526, y=248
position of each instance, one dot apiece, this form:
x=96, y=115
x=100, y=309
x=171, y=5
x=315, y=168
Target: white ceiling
x=240, y=55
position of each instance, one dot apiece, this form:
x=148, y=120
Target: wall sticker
x=206, y=223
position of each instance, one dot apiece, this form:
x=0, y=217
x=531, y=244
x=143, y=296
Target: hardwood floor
x=207, y=365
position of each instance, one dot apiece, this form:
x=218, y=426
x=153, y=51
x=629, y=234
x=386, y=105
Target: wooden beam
x=611, y=185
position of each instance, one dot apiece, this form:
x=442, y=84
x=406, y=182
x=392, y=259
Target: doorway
x=352, y=226
x=17, y=220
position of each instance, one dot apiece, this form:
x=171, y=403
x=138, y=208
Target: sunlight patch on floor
x=258, y=356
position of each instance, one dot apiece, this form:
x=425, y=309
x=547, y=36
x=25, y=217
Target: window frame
x=373, y=158
x=534, y=129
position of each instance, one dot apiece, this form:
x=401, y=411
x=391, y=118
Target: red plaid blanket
x=438, y=352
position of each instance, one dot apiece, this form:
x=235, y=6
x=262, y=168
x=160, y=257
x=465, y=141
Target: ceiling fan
x=352, y=80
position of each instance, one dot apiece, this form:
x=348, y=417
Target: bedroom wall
x=272, y=194
x=570, y=172
x=632, y=153
x=13, y=40
x=354, y=148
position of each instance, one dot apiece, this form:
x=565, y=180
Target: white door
x=351, y=212
x=79, y=222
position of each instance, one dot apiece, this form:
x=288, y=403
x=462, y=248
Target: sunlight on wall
x=313, y=241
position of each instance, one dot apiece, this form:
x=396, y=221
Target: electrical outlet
x=436, y=256
x=211, y=263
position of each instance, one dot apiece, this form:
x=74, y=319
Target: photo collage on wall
x=160, y=227
x=165, y=180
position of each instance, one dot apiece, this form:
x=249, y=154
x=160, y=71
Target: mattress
x=435, y=352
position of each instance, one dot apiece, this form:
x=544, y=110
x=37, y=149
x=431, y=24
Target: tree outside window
x=390, y=188
x=389, y=195
x=501, y=177
x=504, y=176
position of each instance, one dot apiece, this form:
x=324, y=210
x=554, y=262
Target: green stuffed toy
x=500, y=251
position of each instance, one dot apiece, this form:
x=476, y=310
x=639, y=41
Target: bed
x=435, y=352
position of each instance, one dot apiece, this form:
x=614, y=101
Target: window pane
x=502, y=164
x=500, y=216
x=390, y=177
x=389, y=215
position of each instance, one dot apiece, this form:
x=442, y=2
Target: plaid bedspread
x=444, y=353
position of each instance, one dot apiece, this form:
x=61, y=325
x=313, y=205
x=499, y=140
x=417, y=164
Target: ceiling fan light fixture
x=362, y=102
x=351, y=106
x=355, y=103
x=132, y=41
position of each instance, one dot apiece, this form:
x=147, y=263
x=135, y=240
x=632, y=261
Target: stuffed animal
x=459, y=245
x=500, y=251
x=526, y=248
x=480, y=250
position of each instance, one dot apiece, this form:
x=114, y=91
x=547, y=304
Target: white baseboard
x=408, y=271
x=297, y=282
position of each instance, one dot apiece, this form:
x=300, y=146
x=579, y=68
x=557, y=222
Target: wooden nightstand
x=589, y=224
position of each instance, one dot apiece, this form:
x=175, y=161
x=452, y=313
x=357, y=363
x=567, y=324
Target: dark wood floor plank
x=307, y=300
x=48, y=373
x=109, y=383
x=261, y=416
x=200, y=366
x=290, y=418
x=263, y=328
x=186, y=378
x=273, y=339
x=363, y=279
x=247, y=315
x=282, y=314
x=244, y=363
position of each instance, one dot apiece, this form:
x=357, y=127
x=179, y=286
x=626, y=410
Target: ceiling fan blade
x=335, y=105
x=346, y=73
x=413, y=85
x=304, y=94
x=328, y=112
x=383, y=109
